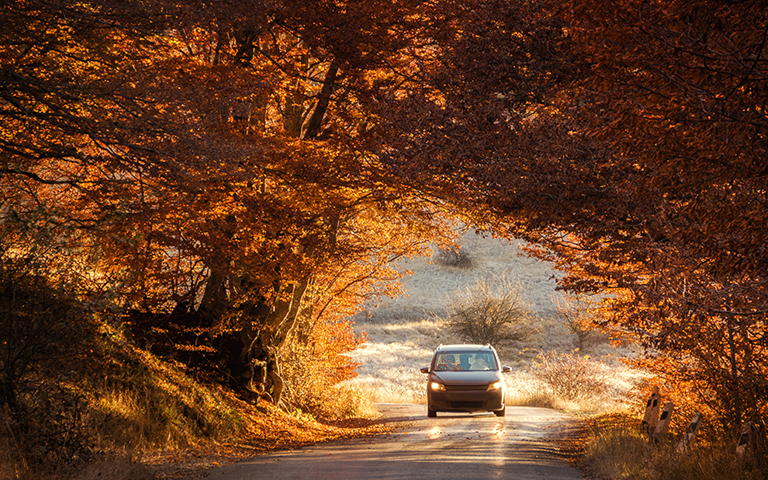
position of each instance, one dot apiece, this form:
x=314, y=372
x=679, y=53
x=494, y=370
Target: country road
x=451, y=446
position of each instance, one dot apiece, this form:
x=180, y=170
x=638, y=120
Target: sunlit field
x=403, y=332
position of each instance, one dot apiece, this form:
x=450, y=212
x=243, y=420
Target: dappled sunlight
x=434, y=432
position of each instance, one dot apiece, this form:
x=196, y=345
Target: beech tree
x=630, y=148
x=627, y=142
x=310, y=194
x=216, y=169
x=687, y=85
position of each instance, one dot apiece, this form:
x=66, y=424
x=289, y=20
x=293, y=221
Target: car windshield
x=464, y=361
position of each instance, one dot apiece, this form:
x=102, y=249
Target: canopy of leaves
x=212, y=172
x=642, y=173
x=627, y=143
x=224, y=172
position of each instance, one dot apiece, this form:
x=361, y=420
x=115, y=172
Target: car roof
x=464, y=348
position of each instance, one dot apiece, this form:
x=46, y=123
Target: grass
x=139, y=416
x=613, y=447
x=403, y=332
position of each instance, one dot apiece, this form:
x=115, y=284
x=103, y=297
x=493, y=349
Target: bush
x=570, y=376
x=314, y=362
x=575, y=314
x=42, y=325
x=453, y=257
x=491, y=311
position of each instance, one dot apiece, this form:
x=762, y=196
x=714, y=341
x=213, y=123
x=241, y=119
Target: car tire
x=502, y=412
x=431, y=413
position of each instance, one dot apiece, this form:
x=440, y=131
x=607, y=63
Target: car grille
x=466, y=387
x=466, y=404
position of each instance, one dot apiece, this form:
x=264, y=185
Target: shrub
x=453, y=257
x=491, y=311
x=574, y=313
x=42, y=418
x=314, y=362
x=570, y=375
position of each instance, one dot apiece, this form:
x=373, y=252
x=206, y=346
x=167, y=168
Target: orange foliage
x=242, y=167
x=628, y=141
x=215, y=173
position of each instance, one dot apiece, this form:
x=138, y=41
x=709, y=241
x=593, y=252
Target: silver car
x=465, y=378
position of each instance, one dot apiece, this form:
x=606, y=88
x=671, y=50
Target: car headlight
x=438, y=387
x=495, y=385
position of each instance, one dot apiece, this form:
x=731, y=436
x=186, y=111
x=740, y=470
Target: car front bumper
x=466, y=400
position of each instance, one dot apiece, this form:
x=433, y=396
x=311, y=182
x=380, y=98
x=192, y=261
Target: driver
x=480, y=364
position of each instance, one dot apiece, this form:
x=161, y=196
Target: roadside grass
x=132, y=415
x=399, y=389
x=523, y=389
x=612, y=446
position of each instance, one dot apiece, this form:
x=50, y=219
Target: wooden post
x=746, y=440
x=651, y=417
x=690, y=434
x=666, y=416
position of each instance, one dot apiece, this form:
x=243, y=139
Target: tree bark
x=312, y=129
x=249, y=356
x=262, y=342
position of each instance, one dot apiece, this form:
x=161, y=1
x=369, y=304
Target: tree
x=627, y=144
x=305, y=141
x=662, y=201
x=675, y=100
x=209, y=169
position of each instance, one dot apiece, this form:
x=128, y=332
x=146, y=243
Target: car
x=465, y=378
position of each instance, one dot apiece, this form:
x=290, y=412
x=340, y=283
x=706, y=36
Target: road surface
x=451, y=446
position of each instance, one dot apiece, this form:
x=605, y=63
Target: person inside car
x=480, y=364
x=464, y=362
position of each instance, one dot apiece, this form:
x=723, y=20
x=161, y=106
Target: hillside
x=404, y=331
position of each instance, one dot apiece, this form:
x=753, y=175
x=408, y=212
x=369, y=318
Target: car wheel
x=502, y=412
x=431, y=413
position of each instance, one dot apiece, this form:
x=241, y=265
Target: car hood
x=483, y=377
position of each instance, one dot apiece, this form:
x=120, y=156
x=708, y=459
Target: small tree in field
x=491, y=311
x=574, y=313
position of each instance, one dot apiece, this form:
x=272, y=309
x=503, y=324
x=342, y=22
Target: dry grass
x=398, y=387
x=401, y=385
x=403, y=332
x=144, y=417
x=614, y=448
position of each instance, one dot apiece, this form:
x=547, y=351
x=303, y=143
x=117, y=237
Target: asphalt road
x=451, y=446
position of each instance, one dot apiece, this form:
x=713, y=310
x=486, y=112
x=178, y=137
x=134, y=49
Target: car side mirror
x=425, y=370
x=506, y=369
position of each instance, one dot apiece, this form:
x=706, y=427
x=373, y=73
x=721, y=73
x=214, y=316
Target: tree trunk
x=312, y=129
x=262, y=342
x=735, y=384
x=249, y=356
